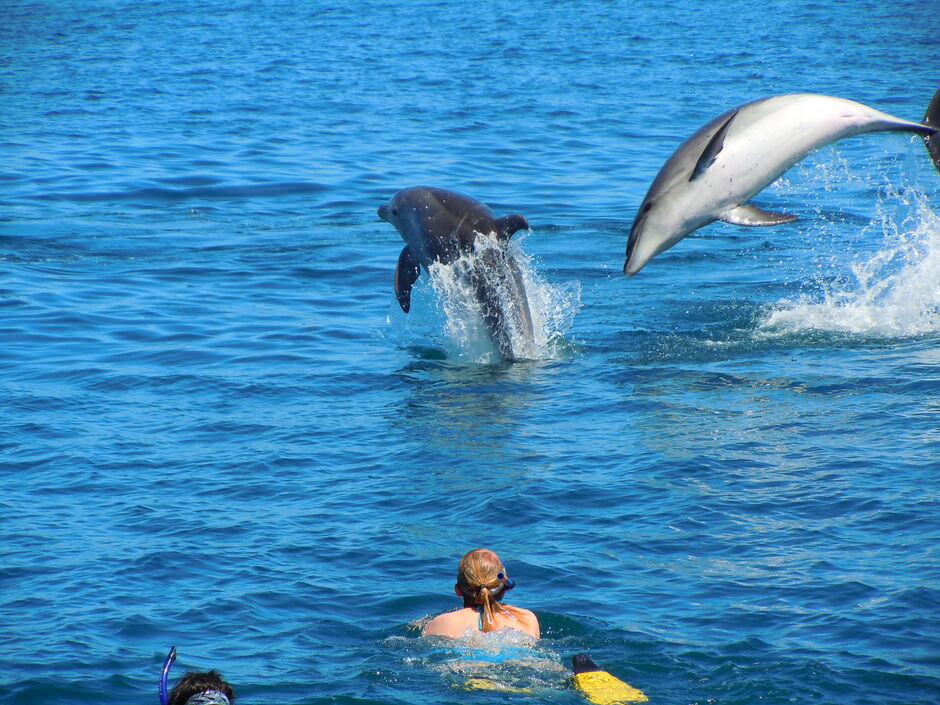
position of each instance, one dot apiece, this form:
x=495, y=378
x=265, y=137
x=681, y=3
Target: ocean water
x=218, y=430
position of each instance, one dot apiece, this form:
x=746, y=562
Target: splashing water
x=895, y=293
x=446, y=310
x=506, y=660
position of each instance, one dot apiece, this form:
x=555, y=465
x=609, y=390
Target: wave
x=159, y=193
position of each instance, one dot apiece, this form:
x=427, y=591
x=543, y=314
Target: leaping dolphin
x=714, y=173
x=442, y=226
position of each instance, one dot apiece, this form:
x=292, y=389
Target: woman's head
x=198, y=688
x=482, y=582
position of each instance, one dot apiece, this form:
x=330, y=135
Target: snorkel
x=506, y=580
x=170, y=658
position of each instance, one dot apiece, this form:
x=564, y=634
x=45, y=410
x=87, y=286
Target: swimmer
x=195, y=688
x=482, y=582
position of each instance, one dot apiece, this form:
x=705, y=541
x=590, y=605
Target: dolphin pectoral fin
x=714, y=146
x=749, y=214
x=406, y=273
x=507, y=225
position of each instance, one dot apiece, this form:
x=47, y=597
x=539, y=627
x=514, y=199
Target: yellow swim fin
x=488, y=684
x=600, y=687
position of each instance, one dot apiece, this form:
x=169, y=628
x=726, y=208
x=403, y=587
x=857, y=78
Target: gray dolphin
x=713, y=174
x=441, y=226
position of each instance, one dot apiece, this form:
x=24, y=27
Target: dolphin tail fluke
x=932, y=119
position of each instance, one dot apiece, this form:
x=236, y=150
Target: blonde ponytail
x=487, y=616
x=481, y=588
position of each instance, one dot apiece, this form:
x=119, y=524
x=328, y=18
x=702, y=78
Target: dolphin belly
x=500, y=291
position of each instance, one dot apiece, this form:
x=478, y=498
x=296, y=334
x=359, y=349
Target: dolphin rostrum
x=442, y=226
x=714, y=173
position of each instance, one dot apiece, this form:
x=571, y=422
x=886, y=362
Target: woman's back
x=468, y=620
x=482, y=582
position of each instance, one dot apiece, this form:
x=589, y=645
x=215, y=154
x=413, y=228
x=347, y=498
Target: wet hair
x=194, y=683
x=479, y=586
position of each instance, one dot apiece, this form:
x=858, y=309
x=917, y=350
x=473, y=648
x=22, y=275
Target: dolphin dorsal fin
x=406, y=273
x=509, y=224
x=714, y=146
x=749, y=214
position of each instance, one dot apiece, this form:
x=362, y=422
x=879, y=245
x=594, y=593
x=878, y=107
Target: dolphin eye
x=646, y=207
x=394, y=211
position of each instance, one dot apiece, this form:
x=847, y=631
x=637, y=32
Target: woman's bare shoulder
x=447, y=624
x=528, y=620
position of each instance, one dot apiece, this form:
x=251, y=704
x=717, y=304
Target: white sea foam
x=445, y=311
x=893, y=293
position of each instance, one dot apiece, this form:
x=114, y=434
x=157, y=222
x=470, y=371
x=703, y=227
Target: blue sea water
x=219, y=431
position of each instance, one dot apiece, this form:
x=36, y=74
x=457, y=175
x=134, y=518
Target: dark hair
x=193, y=682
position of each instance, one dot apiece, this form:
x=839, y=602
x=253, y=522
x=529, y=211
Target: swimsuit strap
x=479, y=611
